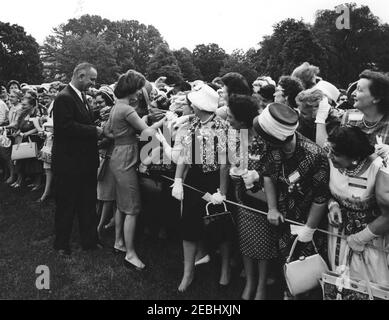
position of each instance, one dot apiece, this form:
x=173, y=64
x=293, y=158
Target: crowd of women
x=307, y=155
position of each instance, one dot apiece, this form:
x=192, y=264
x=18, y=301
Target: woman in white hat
x=208, y=171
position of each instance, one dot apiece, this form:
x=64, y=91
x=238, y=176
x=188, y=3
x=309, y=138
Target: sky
x=232, y=24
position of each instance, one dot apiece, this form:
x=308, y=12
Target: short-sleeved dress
x=203, y=174
x=300, y=181
x=124, y=159
x=257, y=237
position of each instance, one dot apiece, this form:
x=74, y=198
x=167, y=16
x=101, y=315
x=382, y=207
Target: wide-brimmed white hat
x=204, y=98
x=328, y=89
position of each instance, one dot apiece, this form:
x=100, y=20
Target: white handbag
x=24, y=150
x=303, y=274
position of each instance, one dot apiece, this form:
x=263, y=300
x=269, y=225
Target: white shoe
x=203, y=260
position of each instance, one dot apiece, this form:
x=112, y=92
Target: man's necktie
x=85, y=101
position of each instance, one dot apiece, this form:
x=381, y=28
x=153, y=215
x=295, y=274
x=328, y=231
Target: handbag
x=219, y=226
x=303, y=274
x=5, y=142
x=339, y=285
x=24, y=150
x=149, y=184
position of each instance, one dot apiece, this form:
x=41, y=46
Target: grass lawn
x=26, y=237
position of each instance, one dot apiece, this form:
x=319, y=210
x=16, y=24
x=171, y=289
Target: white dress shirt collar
x=77, y=91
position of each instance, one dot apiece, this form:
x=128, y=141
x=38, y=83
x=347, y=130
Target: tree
x=352, y=50
x=209, y=59
x=121, y=45
x=164, y=63
x=185, y=61
x=291, y=44
x=240, y=62
x=19, y=55
x=134, y=42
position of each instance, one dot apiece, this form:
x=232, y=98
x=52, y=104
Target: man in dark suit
x=75, y=161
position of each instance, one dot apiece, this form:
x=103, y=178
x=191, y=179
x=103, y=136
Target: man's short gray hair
x=84, y=66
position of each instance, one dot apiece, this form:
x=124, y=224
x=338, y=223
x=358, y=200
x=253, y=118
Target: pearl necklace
x=372, y=126
x=204, y=122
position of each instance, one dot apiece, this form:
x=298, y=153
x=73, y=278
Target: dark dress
x=257, y=238
x=310, y=164
x=30, y=166
x=203, y=174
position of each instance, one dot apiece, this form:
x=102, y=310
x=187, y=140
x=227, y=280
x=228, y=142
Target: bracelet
x=332, y=203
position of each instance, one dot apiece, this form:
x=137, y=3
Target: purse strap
x=207, y=209
x=294, y=247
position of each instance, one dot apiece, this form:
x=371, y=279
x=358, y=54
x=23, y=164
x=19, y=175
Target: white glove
x=304, y=233
x=178, y=189
x=160, y=137
x=323, y=111
x=217, y=198
x=179, y=121
x=358, y=240
x=250, y=177
x=382, y=150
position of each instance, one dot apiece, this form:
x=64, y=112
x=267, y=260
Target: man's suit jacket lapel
x=80, y=104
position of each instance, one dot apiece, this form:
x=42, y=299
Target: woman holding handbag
x=296, y=179
x=358, y=185
x=208, y=171
x=27, y=131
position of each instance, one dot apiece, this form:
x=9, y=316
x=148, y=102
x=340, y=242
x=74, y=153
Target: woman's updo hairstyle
x=129, y=83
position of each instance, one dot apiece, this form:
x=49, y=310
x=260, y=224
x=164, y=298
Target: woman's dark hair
x=292, y=87
x=129, y=83
x=267, y=92
x=236, y=84
x=244, y=108
x=13, y=82
x=379, y=88
x=351, y=142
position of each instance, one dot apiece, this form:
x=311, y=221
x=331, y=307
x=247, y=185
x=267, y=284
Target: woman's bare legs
x=189, y=248
x=249, y=268
x=129, y=236
x=107, y=207
x=225, y=274
x=49, y=180
x=262, y=279
x=119, y=236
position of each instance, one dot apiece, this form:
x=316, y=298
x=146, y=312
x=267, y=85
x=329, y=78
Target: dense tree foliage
x=19, y=55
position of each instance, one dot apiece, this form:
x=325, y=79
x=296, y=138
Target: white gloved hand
x=160, y=137
x=178, y=189
x=358, y=240
x=217, y=198
x=323, y=111
x=250, y=177
x=179, y=121
x=382, y=150
x=305, y=234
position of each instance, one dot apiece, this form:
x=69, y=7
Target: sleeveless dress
x=356, y=197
